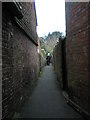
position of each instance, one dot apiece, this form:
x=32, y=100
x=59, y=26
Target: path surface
x=47, y=100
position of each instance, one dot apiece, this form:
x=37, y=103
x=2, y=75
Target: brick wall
x=0, y=60
x=19, y=55
x=57, y=62
x=77, y=52
x=89, y=52
x=41, y=57
x=30, y=18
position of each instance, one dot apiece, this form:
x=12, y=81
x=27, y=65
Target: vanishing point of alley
x=23, y=57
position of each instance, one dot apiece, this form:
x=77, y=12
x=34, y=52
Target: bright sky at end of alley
x=50, y=16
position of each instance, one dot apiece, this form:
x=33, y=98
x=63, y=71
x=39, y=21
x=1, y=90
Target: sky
x=50, y=16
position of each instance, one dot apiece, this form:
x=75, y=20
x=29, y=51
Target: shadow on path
x=47, y=100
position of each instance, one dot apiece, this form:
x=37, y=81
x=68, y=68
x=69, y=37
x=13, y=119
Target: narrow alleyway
x=47, y=100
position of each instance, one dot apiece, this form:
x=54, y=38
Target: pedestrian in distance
x=48, y=58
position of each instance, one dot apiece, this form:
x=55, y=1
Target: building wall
x=0, y=60
x=41, y=57
x=89, y=52
x=77, y=47
x=19, y=55
x=57, y=62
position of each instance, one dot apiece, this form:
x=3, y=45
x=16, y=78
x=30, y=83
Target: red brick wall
x=19, y=55
x=89, y=52
x=57, y=62
x=77, y=52
x=30, y=16
x=0, y=60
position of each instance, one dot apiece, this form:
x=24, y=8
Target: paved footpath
x=47, y=100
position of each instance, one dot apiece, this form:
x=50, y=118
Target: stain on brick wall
x=77, y=52
x=19, y=55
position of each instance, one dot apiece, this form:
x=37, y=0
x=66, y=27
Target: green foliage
x=48, y=42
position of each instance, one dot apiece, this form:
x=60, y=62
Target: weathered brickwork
x=29, y=19
x=0, y=60
x=89, y=52
x=19, y=55
x=41, y=57
x=77, y=47
x=57, y=61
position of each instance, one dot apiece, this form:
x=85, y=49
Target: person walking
x=48, y=58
